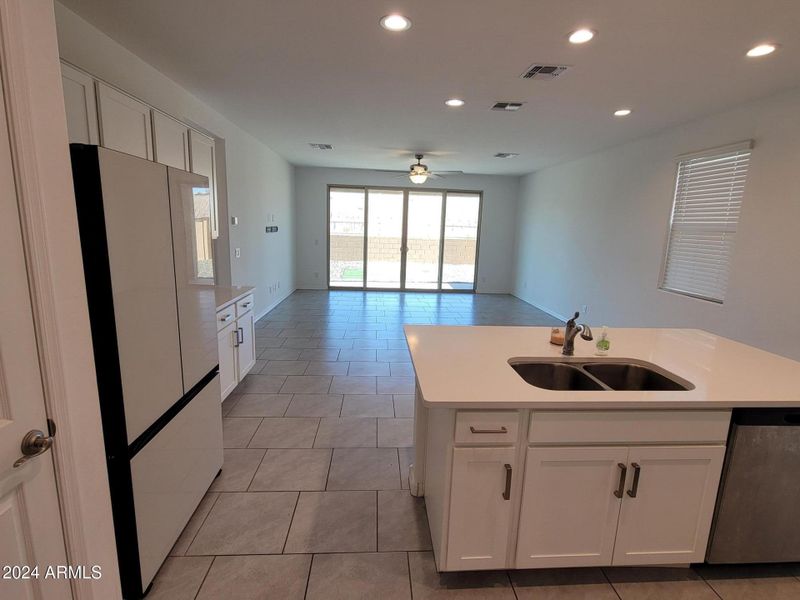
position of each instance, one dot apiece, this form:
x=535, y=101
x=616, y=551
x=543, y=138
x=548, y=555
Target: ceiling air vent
x=507, y=106
x=506, y=154
x=543, y=71
x=321, y=146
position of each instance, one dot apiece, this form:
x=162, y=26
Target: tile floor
x=312, y=501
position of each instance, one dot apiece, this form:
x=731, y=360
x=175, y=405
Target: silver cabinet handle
x=246, y=305
x=235, y=333
x=501, y=430
x=238, y=332
x=507, y=491
x=33, y=444
x=226, y=318
x=637, y=469
x=623, y=472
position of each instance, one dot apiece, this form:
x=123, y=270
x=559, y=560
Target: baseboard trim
x=549, y=311
x=274, y=304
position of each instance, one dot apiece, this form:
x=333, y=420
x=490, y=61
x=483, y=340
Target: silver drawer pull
x=623, y=472
x=501, y=430
x=246, y=305
x=507, y=491
x=637, y=469
x=225, y=318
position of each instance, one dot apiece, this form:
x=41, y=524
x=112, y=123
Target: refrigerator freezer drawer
x=172, y=473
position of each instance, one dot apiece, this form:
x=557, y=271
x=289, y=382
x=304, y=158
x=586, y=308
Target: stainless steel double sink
x=598, y=374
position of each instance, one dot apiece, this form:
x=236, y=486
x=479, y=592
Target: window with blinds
x=705, y=216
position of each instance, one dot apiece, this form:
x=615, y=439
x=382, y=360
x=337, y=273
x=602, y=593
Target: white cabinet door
x=226, y=342
x=170, y=141
x=247, y=344
x=666, y=517
x=480, y=514
x=569, y=508
x=203, y=163
x=81, y=106
x=124, y=123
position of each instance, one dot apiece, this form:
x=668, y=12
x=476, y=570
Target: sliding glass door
x=403, y=239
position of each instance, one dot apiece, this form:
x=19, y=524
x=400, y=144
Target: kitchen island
x=519, y=476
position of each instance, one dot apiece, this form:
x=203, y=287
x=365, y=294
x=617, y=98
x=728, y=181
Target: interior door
x=423, y=240
x=666, y=514
x=570, y=506
x=30, y=525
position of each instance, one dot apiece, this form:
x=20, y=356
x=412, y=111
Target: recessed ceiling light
x=454, y=102
x=762, y=50
x=581, y=36
x=622, y=112
x=395, y=22
x=506, y=154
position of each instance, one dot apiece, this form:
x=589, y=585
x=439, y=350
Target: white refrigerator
x=146, y=242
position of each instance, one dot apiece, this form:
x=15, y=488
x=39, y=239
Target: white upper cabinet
x=667, y=511
x=170, y=141
x=203, y=162
x=81, y=106
x=125, y=123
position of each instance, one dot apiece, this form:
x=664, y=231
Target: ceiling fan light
x=418, y=177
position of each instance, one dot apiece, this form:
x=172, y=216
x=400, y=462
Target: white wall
x=593, y=231
x=259, y=181
x=495, y=258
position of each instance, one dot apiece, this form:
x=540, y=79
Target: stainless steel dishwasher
x=757, y=517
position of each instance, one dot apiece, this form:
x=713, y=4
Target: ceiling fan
x=419, y=173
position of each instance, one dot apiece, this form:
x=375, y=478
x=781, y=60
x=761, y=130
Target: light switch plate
x=238, y=253
x=234, y=221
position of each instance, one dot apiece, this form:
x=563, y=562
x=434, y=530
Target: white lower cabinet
x=669, y=516
x=246, y=348
x=480, y=508
x=595, y=506
x=569, y=508
x=226, y=340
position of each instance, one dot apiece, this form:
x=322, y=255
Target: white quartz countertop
x=468, y=367
x=225, y=296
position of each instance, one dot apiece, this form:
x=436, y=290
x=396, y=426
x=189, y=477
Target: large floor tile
x=179, y=578
x=402, y=369
x=406, y=456
x=294, y=432
x=315, y=405
x=280, y=354
x=353, y=385
x=562, y=584
x=402, y=522
x=320, y=354
x=350, y=432
x=646, y=583
x=357, y=355
x=260, y=405
x=334, y=522
x=367, y=369
x=237, y=432
x=307, y=384
x=395, y=385
x=394, y=356
x=327, y=368
x=238, y=468
x=364, y=469
x=229, y=403
x=260, y=384
x=371, y=576
x=246, y=523
x=292, y=469
x=193, y=526
x=285, y=367
x=756, y=582
x=404, y=405
x=369, y=405
x=300, y=343
x=395, y=433
x=257, y=578
x=428, y=584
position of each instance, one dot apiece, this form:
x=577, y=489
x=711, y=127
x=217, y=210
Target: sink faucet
x=572, y=329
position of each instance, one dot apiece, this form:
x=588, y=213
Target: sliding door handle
x=637, y=469
x=623, y=472
x=507, y=490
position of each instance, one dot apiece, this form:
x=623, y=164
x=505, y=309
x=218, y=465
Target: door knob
x=33, y=444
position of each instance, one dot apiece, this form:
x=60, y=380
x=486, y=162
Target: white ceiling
x=299, y=71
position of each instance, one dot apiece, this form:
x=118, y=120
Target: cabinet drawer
x=243, y=305
x=632, y=427
x=482, y=427
x=225, y=316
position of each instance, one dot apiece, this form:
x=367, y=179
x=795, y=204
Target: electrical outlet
x=237, y=253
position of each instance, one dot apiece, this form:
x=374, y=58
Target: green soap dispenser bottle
x=603, y=344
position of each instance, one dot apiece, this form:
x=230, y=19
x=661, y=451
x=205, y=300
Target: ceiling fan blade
x=387, y=171
x=449, y=172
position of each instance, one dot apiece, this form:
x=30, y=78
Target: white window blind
x=705, y=216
